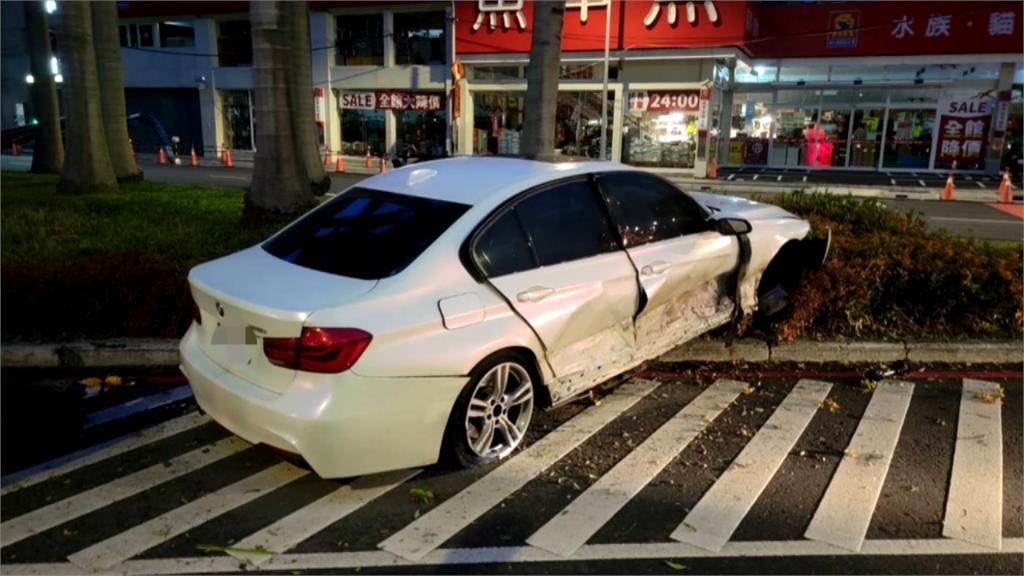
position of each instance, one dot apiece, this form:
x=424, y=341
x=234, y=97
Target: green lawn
x=186, y=224
x=109, y=265
x=115, y=265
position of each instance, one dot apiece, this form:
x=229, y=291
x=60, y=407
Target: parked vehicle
x=435, y=307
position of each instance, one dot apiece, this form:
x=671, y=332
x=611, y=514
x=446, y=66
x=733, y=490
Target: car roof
x=476, y=180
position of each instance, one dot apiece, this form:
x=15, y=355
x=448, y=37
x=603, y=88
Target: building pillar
x=321, y=33
x=617, y=121
x=994, y=155
x=206, y=81
x=725, y=117
x=390, y=126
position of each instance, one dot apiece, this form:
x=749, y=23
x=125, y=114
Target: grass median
x=110, y=265
x=114, y=265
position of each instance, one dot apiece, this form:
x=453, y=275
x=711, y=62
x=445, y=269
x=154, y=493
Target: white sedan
x=431, y=309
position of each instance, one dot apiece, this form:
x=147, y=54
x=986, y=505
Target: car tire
x=486, y=424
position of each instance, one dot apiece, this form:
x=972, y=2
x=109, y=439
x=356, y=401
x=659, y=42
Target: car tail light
x=327, y=350
x=196, y=315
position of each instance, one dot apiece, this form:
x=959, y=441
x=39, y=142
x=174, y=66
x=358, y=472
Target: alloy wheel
x=499, y=411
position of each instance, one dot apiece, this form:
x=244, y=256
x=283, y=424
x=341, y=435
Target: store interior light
x=58, y=78
x=30, y=79
x=54, y=65
x=758, y=70
x=51, y=6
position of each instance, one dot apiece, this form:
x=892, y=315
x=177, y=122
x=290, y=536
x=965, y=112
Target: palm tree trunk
x=542, y=80
x=280, y=183
x=87, y=166
x=108, y=67
x=48, y=153
x=300, y=84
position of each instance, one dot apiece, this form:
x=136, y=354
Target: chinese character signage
x=665, y=101
x=391, y=100
x=963, y=132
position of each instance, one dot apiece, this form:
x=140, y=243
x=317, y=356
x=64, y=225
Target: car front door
x=554, y=255
x=683, y=263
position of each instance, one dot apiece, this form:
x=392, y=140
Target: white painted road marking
x=756, y=175
x=980, y=185
x=974, y=506
x=778, y=178
x=713, y=520
x=435, y=527
x=949, y=219
x=82, y=458
x=525, y=554
x=731, y=176
x=182, y=519
x=805, y=178
x=293, y=529
x=55, y=514
x=844, y=513
x=574, y=525
x=137, y=406
x=921, y=182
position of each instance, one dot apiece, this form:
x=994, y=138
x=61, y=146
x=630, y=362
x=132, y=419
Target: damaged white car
x=434, y=308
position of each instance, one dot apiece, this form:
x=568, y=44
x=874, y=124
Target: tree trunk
x=108, y=68
x=48, y=153
x=87, y=165
x=300, y=86
x=280, y=183
x=542, y=80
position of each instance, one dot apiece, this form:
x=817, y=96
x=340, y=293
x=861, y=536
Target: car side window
x=566, y=222
x=648, y=209
x=503, y=248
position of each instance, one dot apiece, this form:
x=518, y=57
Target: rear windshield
x=363, y=233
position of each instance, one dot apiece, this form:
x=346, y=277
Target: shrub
x=889, y=276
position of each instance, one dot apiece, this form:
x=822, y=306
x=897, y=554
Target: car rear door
x=682, y=263
x=553, y=254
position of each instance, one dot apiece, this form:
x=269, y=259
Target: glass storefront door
x=908, y=138
x=866, y=138
x=794, y=128
x=834, y=126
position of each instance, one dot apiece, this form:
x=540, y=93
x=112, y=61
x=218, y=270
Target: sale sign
x=391, y=100
x=361, y=100
x=963, y=132
x=665, y=101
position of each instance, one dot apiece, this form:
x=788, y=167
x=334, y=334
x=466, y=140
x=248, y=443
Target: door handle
x=655, y=268
x=535, y=294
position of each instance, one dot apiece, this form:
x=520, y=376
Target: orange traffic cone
x=383, y=164
x=227, y=158
x=131, y=146
x=369, y=161
x=162, y=157
x=327, y=157
x=713, y=169
x=339, y=166
x=194, y=158
x=947, y=192
x=1006, y=188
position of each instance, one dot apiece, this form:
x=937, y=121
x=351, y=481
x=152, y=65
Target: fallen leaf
x=991, y=398
x=831, y=404
x=215, y=548
x=424, y=496
x=112, y=380
x=675, y=565
x=416, y=514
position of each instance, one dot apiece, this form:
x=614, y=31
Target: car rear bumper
x=342, y=424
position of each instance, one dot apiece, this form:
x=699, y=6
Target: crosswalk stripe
x=291, y=530
x=93, y=454
x=844, y=513
x=182, y=519
x=47, y=517
x=510, y=555
x=574, y=525
x=974, y=506
x=713, y=520
x=432, y=529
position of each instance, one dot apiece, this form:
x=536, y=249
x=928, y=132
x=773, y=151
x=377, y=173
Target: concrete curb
x=962, y=194
x=748, y=350
x=164, y=353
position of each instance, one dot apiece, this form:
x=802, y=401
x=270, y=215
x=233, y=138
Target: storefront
x=746, y=84
x=419, y=119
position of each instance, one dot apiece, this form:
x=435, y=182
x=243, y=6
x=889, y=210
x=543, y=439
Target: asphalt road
x=969, y=219
x=677, y=467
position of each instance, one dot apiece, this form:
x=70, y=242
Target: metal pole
x=604, y=91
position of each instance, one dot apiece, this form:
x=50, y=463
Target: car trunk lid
x=251, y=295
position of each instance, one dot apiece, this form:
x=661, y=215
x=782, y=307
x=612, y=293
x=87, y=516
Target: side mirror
x=732, y=226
